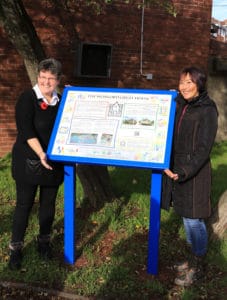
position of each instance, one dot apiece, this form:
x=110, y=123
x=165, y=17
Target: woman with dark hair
x=36, y=110
x=187, y=184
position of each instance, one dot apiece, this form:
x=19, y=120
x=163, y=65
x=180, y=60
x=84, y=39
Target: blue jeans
x=196, y=235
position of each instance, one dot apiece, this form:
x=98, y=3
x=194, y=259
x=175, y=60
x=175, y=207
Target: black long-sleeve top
x=33, y=122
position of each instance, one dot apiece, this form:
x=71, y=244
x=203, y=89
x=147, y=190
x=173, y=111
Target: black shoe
x=15, y=259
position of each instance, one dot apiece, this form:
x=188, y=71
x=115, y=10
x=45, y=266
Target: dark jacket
x=33, y=121
x=194, y=135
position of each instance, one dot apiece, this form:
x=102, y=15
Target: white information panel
x=114, y=127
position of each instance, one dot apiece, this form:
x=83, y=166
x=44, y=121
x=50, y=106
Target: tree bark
x=21, y=32
x=218, y=221
x=96, y=184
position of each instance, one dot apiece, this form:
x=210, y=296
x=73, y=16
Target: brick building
x=136, y=48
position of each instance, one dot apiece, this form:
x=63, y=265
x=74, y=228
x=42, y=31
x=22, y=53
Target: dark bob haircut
x=197, y=76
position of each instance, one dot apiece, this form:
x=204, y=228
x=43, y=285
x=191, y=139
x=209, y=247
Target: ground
x=166, y=275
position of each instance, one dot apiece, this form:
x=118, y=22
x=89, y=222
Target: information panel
x=128, y=127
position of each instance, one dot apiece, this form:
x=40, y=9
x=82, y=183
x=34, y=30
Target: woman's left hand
x=172, y=175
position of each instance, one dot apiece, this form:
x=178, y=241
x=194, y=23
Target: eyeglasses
x=43, y=78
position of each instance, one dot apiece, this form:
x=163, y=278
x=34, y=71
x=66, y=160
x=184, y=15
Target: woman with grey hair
x=36, y=111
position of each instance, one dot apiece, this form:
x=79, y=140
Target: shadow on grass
x=127, y=276
x=138, y=178
x=35, y=271
x=133, y=180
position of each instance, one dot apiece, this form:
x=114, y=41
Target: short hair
x=52, y=65
x=197, y=76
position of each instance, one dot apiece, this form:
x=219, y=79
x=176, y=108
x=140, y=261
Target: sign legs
x=154, y=226
x=69, y=213
x=69, y=218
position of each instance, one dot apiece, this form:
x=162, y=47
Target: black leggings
x=25, y=199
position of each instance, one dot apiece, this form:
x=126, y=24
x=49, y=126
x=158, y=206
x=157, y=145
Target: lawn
x=111, y=244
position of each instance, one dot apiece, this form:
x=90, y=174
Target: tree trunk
x=21, y=32
x=218, y=221
x=96, y=184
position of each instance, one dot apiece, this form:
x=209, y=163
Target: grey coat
x=194, y=136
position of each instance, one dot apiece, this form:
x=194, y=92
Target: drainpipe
x=148, y=76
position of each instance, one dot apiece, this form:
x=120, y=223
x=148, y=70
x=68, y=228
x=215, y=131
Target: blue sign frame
x=70, y=161
x=112, y=159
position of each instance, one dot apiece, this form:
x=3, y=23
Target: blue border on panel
x=114, y=162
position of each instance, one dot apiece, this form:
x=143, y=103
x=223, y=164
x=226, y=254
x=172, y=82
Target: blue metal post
x=69, y=213
x=154, y=226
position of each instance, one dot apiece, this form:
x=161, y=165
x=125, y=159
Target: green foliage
x=98, y=5
x=112, y=242
x=167, y=5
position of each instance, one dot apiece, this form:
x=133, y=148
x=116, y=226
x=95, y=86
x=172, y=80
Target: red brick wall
x=13, y=79
x=169, y=44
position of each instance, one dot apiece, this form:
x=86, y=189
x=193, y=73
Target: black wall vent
x=94, y=60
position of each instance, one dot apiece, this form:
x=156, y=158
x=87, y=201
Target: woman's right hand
x=37, y=148
x=43, y=159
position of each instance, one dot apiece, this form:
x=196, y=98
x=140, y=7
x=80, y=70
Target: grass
x=111, y=243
